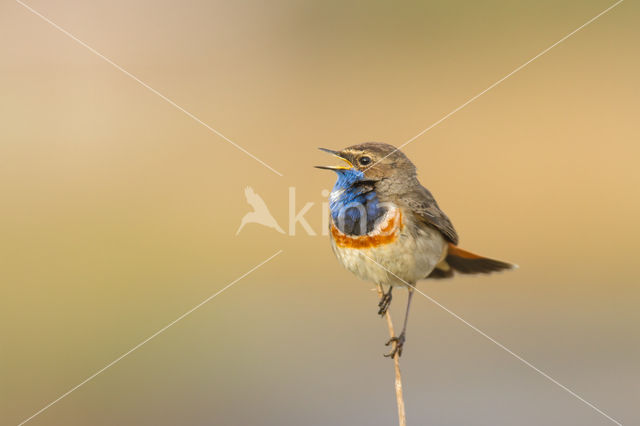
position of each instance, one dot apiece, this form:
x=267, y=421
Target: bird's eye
x=364, y=160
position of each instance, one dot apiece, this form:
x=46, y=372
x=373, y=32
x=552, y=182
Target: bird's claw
x=398, y=343
x=384, y=303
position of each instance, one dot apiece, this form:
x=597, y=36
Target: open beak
x=336, y=154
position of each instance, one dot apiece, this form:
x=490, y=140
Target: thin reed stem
x=402, y=419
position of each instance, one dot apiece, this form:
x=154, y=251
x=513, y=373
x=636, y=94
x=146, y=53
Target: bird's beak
x=335, y=154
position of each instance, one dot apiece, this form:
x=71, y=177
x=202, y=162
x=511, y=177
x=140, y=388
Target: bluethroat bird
x=385, y=227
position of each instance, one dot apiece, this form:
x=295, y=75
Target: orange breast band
x=387, y=233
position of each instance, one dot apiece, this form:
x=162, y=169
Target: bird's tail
x=464, y=262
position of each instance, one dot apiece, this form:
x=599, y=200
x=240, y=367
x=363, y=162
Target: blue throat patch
x=354, y=205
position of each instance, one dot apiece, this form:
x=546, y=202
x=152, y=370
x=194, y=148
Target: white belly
x=411, y=256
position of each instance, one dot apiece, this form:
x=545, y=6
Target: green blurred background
x=118, y=212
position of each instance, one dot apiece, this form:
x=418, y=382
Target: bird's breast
x=397, y=251
x=385, y=231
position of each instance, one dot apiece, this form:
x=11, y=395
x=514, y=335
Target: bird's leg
x=398, y=341
x=385, y=301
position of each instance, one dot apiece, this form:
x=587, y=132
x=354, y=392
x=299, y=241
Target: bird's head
x=371, y=162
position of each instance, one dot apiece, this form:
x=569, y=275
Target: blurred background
x=119, y=212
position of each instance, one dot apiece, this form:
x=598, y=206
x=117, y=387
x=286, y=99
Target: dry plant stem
x=402, y=419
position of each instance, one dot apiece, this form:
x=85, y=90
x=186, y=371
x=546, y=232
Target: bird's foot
x=398, y=343
x=384, y=303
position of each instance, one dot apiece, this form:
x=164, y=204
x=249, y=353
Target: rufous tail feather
x=465, y=262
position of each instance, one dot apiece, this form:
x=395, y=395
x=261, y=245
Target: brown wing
x=424, y=206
